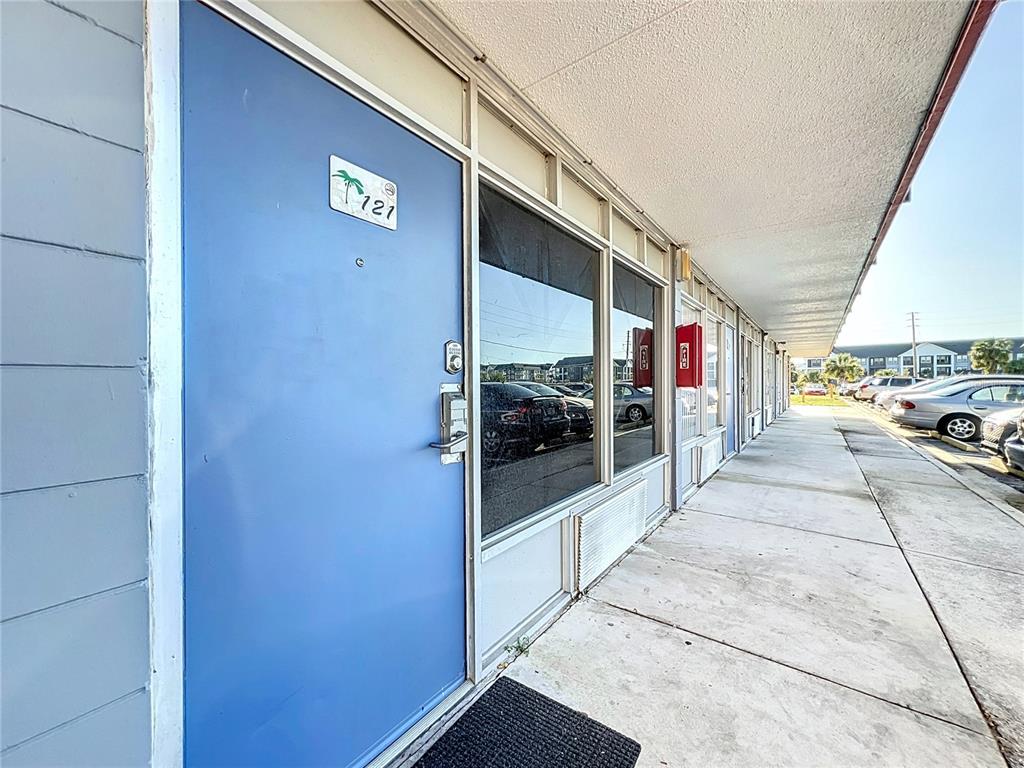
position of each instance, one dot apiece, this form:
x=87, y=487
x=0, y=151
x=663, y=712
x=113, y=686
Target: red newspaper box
x=689, y=357
x=643, y=359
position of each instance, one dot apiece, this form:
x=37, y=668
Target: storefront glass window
x=711, y=372
x=537, y=288
x=633, y=352
x=687, y=398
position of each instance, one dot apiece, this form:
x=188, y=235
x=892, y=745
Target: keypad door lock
x=454, y=424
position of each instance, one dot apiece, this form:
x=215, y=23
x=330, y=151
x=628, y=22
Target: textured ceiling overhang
x=772, y=138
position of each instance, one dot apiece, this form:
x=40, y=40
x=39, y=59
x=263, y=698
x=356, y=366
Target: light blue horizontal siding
x=121, y=16
x=91, y=80
x=66, y=188
x=44, y=319
x=115, y=736
x=73, y=388
x=61, y=544
x=68, y=425
x=61, y=663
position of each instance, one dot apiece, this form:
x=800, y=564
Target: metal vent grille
x=608, y=530
x=710, y=458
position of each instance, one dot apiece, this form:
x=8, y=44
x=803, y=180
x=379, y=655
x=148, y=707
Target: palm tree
x=842, y=368
x=990, y=355
x=350, y=181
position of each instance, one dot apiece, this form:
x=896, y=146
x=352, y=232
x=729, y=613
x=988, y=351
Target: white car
x=887, y=399
x=815, y=389
x=870, y=389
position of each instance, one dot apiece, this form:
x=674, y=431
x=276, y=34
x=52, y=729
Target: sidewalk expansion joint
x=815, y=675
x=789, y=485
x=963, y=562
x=791, y=527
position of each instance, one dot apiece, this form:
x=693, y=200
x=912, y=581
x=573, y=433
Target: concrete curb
x=957, y=443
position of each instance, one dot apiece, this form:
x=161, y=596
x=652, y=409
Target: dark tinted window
x=537, y=287
x=633, y=350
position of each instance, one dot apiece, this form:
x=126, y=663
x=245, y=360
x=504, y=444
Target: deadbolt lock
x=453, y=356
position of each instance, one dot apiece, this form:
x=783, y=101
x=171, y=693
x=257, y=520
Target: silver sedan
x=957, y=410
x=632, y=404
x=886, y=399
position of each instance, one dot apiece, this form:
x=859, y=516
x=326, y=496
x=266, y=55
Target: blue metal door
x=730, y=388
x=324, y=541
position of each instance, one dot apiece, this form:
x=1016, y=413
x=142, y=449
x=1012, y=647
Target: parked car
x=564, y=389
x=847, y=388
x=577, y=386
x=870, y=389
x=515, y=420
x=886, y=399
x=815, y=389
x=957, y=410
x=1013, y=448
x=579, y=409
x=999, y=427
x=632, y=404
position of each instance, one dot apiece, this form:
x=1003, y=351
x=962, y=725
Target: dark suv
x=515, y=420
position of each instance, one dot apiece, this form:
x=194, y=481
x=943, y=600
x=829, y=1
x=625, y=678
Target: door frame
x=732, y=332
x=163, y=157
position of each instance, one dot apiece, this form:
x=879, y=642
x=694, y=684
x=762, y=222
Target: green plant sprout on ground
x=521, y=647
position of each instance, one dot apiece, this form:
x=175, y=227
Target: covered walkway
x=831, y=597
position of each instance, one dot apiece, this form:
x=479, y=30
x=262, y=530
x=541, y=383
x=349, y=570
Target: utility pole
x=913, y=341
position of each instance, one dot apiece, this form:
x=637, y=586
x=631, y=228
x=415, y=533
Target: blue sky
x=955, y=253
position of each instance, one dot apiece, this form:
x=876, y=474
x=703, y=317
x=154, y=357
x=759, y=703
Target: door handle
x=457, y=439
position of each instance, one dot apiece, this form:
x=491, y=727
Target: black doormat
x=513, y=726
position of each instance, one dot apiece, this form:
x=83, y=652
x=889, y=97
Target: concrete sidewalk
x=822, y=601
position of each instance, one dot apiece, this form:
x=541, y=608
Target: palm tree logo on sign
x=350, y=181
x=358, y=192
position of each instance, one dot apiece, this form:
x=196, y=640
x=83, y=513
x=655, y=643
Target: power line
x=536, y=332
x=534, y=349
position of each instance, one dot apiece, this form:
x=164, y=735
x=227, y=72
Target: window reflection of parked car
x=515, y=419
x=578, y=387
x=579, y=409
x=632, y=404
x=815, y=389
x=957, y=410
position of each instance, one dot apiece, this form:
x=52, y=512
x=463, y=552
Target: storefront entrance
x=324, y=556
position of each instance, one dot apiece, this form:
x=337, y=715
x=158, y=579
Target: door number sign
x=362, y=194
